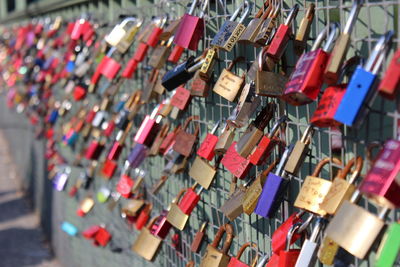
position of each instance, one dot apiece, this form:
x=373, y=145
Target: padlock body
x=279, y=42
x=153, y=38
x=189, y=32
x=335, y=62
x=214, y=257
x=176, y=217
x=349, y=226
x=306, y=80
x=278, y=242
x=248, y=141
x=271, y=195
x=328, y=105
x=115, y=151
x=381, y=182
x=390, y=83
x=263, y=150
x=181, y=98
x=232, y=208
x=206, y=149
x=251, y=31
x=178, y=76
x=189, y=201
x=228, y=35
x=124, y=186
x=109, y=168
x=356, y=97
x=110, y=68
x=228, y=85
x=147, y=131
x=296, y=158
x=202, y=172
x=94, y=150
x=176, y=54
x=289, y=258
x=130, y=69
x=161, y=227
x=389, y=248
x=339, y=191
x=141, y=52
x=236, y=164
x=270, y=83
x=137, y=155
x=235, y=262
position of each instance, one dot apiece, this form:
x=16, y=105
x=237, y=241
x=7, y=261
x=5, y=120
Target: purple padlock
x=61, y=178
x=137, y=155
x=273, y=191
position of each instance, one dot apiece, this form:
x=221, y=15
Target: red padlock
x=206, y=149
x=94, y=150
x=141, y=52
x=306, y=80
x=176, y=54
x=80, y=92
x=390, y=83
x=119, y=143
x=124, y=186
x=149, y=128
x=181, y=98
x=91, y=114
x=281, y=38
x=109, y=168
x=110, y=67
x=144, y=216
x=278, y=240
x=130, y=68
x=91, y=232
x=154, y=36
x=236, y=262
x=235, y=163
x=169, y=140
x=78, y=29
x=161, y=226
x=267, y=143
x=110, y=128
x=190, y=199
x=102, y=237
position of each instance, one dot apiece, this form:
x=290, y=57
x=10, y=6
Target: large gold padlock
x=202, y=172
x=252, y=194
x=126, y=41
x=215, y=257
x=314, y=189
x=229, y=84
x=355, y=229
x=341, y=189
x=175, y=215
x=147, y=244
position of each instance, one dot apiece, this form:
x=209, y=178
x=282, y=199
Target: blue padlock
x=361, y=89
x=53, y=116
x=69, y=228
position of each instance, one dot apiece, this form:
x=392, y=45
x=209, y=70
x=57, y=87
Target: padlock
x=236, y=262
x=389, y=248
x=119, y=143
x=229, y=84
x=157, y=30
x=341, y=47
x=94, y=149
x=314, y=189
x=69, y=228
x=144, y=216
x=206, y=70
x=161, y=226
x=61, y=178
x=147, y=91
x=299, y=152
x=281, y=37
x=235, y=163
x=202, y=172
x=185, y=141
x=198, y=238
x=129, y=69
x=132, y=207
x=124, y=44
x=231, y=30
x=78, y=29
x=390, y=83
x=254, y=25
x=328, y=104
x=309, y=249
x=267, y=143
x=103, y=194
x=206, y=149
x=109, y=67
x=349, y=226
x=102, y=237
x=137, y=155
x=233, y=206
x=170, y=29
x=225, y=140
x=381, y=184
x=181, y=73
x=190, y=199
x=214, y=257
x=191, y=27
x=247, y=104
x=140, y=52
x=160, y=53
x=124, y=186
x=159, y=139
x=303, y=32
x=252, y=194
x=147, y=244
x=169, y=140
x=341, y=189
x=268, y=83
x=85, y=206
x=273, y=190
x=119, y=32
x=199, y=87
x=149, y=128
x=175, y=54
x=267, y=25
x=361, y=89
x=306, y=80
x=181, y=98
x=255, y=131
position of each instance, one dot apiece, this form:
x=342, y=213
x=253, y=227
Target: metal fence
x=376, y=17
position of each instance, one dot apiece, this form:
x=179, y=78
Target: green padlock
x=103, y=194
x=389, y=249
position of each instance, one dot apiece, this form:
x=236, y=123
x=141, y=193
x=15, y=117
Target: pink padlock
x=149, y=128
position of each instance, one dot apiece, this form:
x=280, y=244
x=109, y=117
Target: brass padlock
x=268, y=83
x=215, y=257
x=175, y=215
x=254, y=25
x=207, y=67
x=342, y=189
x=314, y=189
x=298, y=154
x=202, y=172
x=160, y=54
x=251, y=196
x=147, y=244
x=303, y=32
x=229, y=84
x=355, y=229
x=225, y=140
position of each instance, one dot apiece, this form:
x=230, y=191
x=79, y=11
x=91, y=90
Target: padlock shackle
x=152, y=221
x=270, y=168
x=233, y=62
x=347, y=65
x=295, y=228
x=193, y=7
x=216, y=126
x=278, y=124
x=357, y=162
x=370, y=147
x=188, y=120
x=126, y=21
x=292, y=15
x=277, y=9
x=317, y=229
x=179, y=196
x=203, y=8
x=228, y=229
x=264, y=11
x=111, y=51
x=322, y=163
x=348, y=28
x=379, y=52
x=307, y=135
x=243, y=248
x=333, y=28
x=283, y=160
x=247, y=8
